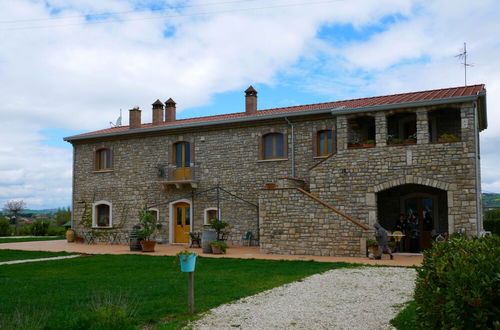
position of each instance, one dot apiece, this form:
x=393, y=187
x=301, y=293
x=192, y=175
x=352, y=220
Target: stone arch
x=411, y=179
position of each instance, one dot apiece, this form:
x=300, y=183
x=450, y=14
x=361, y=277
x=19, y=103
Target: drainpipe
x=479, y=206
x=293, y=146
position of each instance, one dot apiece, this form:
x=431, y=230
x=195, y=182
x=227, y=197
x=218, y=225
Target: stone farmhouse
x=309, y=179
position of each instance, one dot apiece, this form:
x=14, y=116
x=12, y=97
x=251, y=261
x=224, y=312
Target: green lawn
x=7, y=255
x=29, y=239
x=123, y=291
x=406, y=319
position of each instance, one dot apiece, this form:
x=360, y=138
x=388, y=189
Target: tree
x=13, y=207
x=63, y=216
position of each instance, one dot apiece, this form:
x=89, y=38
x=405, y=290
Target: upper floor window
x=182, y=154
x=445, y=125
x=101, y=214
x=273, y=146
x=103, y=159
x=210, y=215
x=324, y=143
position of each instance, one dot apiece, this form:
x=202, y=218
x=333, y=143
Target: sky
x=68, y=67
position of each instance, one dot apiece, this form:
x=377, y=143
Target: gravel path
x=359, y=298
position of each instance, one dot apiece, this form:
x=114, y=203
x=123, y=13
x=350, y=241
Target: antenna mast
x=463, y=55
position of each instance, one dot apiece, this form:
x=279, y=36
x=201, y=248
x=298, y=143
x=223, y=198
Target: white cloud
x=78, y=76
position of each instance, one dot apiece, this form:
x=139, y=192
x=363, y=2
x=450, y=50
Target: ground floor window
x=101, y=215
x=210, y=215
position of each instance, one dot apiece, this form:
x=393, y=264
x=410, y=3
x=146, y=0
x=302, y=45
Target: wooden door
x=182, y=161
x=182, y=222
x=424, y=208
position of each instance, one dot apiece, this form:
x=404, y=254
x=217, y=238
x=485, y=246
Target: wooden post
x=191, y=292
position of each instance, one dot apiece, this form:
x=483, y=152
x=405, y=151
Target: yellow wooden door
x=182, y=222
x=182, y=161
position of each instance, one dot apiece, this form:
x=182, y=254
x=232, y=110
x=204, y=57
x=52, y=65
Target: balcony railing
x=177, y=174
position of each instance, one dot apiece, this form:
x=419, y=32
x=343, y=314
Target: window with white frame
x=211, y=214
x=102, y=214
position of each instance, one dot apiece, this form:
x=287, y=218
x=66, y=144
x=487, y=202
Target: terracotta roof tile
x=342, y=105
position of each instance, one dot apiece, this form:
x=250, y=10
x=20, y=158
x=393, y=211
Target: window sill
x=93, y=227
x=272, y=160
x=322, y=157
x=102, y=171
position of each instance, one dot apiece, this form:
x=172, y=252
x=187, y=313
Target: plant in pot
x=395, y=141
x=448, y=138
x=372, y=245
x=218, y=247
x=146, y=234
x=219, y=227
x=369, y=143
x=187, y=259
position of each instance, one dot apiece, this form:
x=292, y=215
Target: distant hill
x=491, y=200
x=30, y=212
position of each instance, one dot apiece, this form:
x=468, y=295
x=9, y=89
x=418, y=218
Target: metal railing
x=177, y=172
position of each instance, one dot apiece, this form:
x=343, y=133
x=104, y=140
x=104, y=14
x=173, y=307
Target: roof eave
x=333, y=111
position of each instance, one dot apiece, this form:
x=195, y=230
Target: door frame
x=417, y=195
x=171, y=218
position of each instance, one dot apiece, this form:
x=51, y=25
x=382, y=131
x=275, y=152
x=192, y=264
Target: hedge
x=5, y=229
x=458, y=285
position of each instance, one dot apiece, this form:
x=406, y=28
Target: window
x=324, y=143
x=273, y=146
x=103, y=159
x=182, y=154
x=210, y=215
x=101, y=214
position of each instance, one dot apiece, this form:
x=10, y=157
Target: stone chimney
x=250, y=101
x=157, y=112
x=169, y=111
x=134, y=118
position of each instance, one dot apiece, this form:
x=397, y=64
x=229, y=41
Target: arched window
x=103, y=159
x=102, y=214
x=324, y=143
x=273, y=146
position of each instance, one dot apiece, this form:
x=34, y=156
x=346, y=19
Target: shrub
x=24, y=230
x=40, y=228
x=5, y=229
x=458, y=284
x=56, y=231
x=491, y=221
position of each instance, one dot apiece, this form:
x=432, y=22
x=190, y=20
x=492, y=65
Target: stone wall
x=227, y=156
x=291, y=222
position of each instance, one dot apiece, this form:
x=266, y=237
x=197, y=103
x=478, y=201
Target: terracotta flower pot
x=148, y=246
x=216, y=249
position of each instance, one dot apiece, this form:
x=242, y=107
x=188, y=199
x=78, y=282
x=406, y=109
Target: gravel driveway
x=359, y=298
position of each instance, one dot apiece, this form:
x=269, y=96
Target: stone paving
x=243, y=252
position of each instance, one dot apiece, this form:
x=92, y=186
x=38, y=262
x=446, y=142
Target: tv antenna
x=463, y=55
x=118, y=121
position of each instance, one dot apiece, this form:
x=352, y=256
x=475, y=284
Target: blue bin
x=188, y=263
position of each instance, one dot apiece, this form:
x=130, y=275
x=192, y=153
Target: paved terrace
x=242, y=252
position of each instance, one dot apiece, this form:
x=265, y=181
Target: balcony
x=173, y=175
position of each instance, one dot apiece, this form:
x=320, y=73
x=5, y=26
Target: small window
x=103, y=159
x=182, y=154
x=210, y=215
x=273, y=146
x=324, y=143
x=102, y=214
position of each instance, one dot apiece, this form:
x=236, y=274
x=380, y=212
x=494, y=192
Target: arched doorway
x=180, y=221
x=429, y=204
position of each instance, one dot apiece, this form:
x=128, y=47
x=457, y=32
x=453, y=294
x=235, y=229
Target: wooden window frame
x=173, y=156
x=262, y=145
x=316, y=142
x=97, y=159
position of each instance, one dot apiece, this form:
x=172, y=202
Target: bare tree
x=13, y=207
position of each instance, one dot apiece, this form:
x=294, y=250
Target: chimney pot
x=157, y=112
x=250, y=101
x=169, y=111
x=134, y=118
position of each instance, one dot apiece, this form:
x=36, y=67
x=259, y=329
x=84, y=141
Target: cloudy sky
x=69, y=66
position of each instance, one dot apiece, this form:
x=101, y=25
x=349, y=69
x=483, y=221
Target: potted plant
x=372, y=245
x=219, y=227
x=369, y=143
x=395, y=141
x=218, y=247
x=147, y=222
x=448, y=138
x=187, y=260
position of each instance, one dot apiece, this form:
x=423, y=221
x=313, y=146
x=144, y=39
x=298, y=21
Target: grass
x=406, y=319
x=29, y=239
x=7, y=255
x=128, y=290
